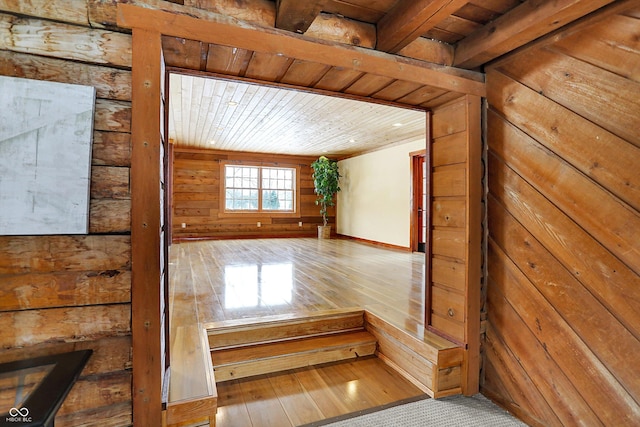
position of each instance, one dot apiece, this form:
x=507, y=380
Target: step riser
x=291, y=361
x=279, y=330
x=247, y=348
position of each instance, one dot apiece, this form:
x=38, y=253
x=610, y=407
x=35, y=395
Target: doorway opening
x=244, y=118
x=420, y=197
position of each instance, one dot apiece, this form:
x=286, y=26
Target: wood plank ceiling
x=453, y=37
x=233, y=115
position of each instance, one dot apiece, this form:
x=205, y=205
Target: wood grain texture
x=306, y=395
x=453, y=292
x=242, y=332
x=110, y=83
x=518, y=27
x=196, y=202
x=268, y=358
x=337, y=28
x=377, y=278
x=563, y=216
x=295, y=16
x=72, y=292
x=115, y=415
x=146, y=244
x=58, y=40
x=36, y=290
x=73, y=11
x=224, y=32
x=104, y=391
x=30, y=327
x=610, y=160
x=571, y=193
x=25, y=254
x=590, y=262
x=110, y=182
x=603, y=97
x=113, y=116
x=109, y=216
x=405, y=22
x=111, y=148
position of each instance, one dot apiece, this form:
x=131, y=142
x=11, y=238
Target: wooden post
x=145, y=228
x=471, y=379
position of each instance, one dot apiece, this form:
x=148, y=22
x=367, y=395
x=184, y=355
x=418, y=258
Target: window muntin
x=259, y=189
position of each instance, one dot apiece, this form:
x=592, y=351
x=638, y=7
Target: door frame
x=148, y=26
x=416, y=176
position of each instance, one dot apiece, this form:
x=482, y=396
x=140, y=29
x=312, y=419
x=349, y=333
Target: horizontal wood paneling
x=448, y=190
x=65, y=293
x=27, y=327
x=115, y=415
x=29, y=254
x=111, y=148
x=110, y=83
x=196, y=194
x=110, y=355
x=455, y=191
x=64, y=41
x=36, y=290
x=564, y=200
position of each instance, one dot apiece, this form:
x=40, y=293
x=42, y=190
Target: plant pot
x=324, y=232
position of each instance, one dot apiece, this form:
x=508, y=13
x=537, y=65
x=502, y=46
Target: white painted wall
x=375, y=198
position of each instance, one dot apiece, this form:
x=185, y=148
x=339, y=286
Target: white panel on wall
x=46, y=131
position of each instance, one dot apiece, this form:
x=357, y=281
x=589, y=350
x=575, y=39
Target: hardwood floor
x=223, y=280
x=234, y=279
x=302, y=396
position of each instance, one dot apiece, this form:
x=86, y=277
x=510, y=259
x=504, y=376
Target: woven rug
x=455, y=411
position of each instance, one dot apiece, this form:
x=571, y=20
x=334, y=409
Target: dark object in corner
x=40, y=385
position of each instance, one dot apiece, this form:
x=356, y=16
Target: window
x=259, y=189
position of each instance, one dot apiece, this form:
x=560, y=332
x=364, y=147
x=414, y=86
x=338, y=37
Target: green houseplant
x=326, y=182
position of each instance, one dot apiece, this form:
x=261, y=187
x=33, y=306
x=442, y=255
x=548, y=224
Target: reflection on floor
x=232, y=279
x=213, y=281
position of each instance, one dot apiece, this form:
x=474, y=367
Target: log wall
x=196, y=199
x=61, y=293
x=563, y=329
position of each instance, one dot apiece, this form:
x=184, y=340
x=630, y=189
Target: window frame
x=224, y=212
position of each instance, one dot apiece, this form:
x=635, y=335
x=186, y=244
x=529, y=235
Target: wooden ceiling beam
x=326, y=26
x=521, y=25
x=408, y=20
x=429, y=50
x=296, y=15
x=227, y=31
x=334, y=28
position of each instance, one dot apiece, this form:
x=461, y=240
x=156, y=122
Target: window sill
x=258, y=214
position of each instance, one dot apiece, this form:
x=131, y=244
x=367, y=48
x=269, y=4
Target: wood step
x=429, y=361
x=244, y=332
x=192, y=389
x=258, y=359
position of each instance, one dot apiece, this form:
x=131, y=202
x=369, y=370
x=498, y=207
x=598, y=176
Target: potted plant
x=326, y=181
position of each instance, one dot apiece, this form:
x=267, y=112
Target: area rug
x=455, y=411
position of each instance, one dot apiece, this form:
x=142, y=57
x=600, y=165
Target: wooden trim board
x=226, y=31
